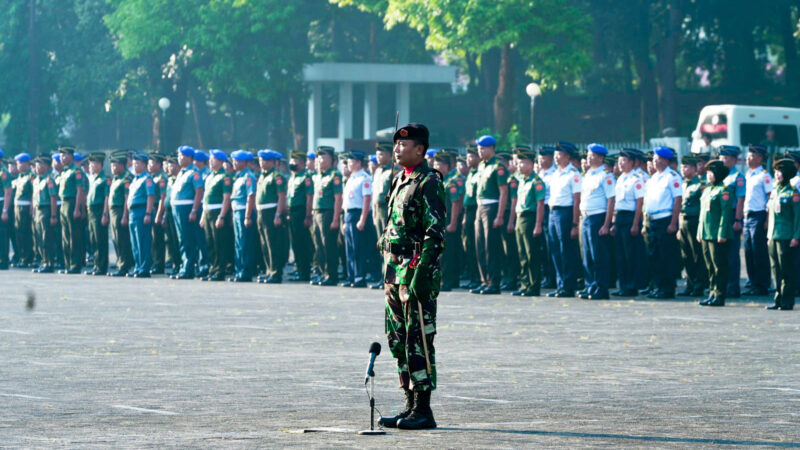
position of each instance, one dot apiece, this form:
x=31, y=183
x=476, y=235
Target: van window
x=756, y=133
x=715, y=125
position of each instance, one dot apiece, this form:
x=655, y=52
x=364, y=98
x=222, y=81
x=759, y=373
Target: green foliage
x=505, y=141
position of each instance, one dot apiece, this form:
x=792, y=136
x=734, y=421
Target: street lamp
x=533, y=90
x=163, y=104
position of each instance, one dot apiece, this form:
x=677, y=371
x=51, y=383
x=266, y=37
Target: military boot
x=391, y=422
x=421, y=416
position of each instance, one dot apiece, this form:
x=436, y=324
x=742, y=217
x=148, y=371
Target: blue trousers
x=245, y=240
x=596, y=255
x=187, y=238
x=756, y=255
x=356, y=248
x=734, y=262
x=630, y=252
x=141, y=238
x=563, y=249
x=663, y=248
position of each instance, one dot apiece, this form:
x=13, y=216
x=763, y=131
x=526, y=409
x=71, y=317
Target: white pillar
x=314, y=116
x=345, y=114
x=370, y=110
x=403, y=102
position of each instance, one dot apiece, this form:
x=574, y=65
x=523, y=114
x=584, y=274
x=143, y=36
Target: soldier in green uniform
x=271, y=205
x=171, y=243
x=300, y=199
x=23, y=194
x=45, y=195
x=216, y=209
x=511, y=255
x=58, y=168
x=117, y=208
x=5, y=218
x=529, y=229
x=97, y=205
x=454, y=200
x=156, y=168
x=327, y=206
x=715, y=230
x=412, y=246
x=469, y=217
x=783, y=233
x=381, y=180
x=73, y=196
x=691, y=250
x=492, y=195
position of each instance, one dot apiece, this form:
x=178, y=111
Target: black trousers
x=663, y=247
x=755, y=250
x=488, y=246
x=692, y=254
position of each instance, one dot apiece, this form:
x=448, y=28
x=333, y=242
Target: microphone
x=374, y=351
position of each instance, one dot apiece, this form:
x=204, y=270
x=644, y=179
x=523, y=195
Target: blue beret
x=269, y=155
x=486, y=141
x=200, y=155
x=597, y=148
x=664, y=152
x=218, y=154
x=57, y=157
x=356, y=154
x=2, y=153
x=185, y=150
x=547, y=150
x=569, y=147
x=373, y=158
x=311, y=155
x=242, y=155
x=760, y=149
x=77, y=157
x=431, y=153
x=729, y=150
x=278, y=155
x=23, y=157
x=139, y=156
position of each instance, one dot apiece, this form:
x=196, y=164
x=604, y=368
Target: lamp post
x=163, y=105
x=533, y=90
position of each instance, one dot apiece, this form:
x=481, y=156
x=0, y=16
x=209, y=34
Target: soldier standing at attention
x=118, y=214
x=327, y=208
x=156, y=168
x=412, y=246
x=72, y=196
x=529, y=229
x=758, y=184
x=454, y=199
x=271, y=205
x=58, y=169
x=736, y=183
x=545, y=170
x=187, y=195
x=469, y=217
x=714, y=231
x=243, y=203
x=299, y=199
x=141, y=208
x=23, y=195
x=691, y=250
x=216, y=206
x=597, y=207
x=381, y=180
x=492, y=195
x=784, y=234
x=627, y=228
x=45, y=209
x=173, y=253
x=201, y=159
x=97, y=204
x=510, y=254
x=5, y=218
x=565, y=202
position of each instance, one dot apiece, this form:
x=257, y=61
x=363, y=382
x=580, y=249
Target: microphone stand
x=372, y=431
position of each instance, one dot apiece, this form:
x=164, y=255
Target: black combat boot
x=421, y=417
x=391, y=422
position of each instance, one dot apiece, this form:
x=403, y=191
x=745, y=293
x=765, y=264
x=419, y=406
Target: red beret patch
x=459, y=182
x=404, y=132
x=766, y=180
x=127, y=184
x=513, y=184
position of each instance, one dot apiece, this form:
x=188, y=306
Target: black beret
x=384, y=146
x=787, y=168
x=414, y=131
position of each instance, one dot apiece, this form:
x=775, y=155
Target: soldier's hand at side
x=603, y=231
x=699, y=241
x=672, y=229
x=737, y=226
x=220, y=222
x=361, y=224
x=722, y=240
x=202, y=222
x=573, y=233
x=794, y=243
x=307, y=221
x=53, y=221
x=510, y=229
x=498, y=222
x=247, y=222
x=678, y=235
x=277, y=221
x=335, y=225
x=537, y=231
x=193, y=217
x=451, y=228
x=147, y=219
x=4, y=217
x=124, y=221
x=104, y=221
x=76, y=214
x=635, y=230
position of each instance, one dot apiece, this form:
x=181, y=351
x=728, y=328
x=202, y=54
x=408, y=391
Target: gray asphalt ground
x=105, y=362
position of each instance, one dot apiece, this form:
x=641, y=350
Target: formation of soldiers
x=520, y=220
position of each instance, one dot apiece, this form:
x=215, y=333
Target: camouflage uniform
x=412, y=244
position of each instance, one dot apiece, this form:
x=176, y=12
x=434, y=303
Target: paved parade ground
x=102, y=362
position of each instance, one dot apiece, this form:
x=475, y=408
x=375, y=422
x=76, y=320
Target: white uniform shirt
x=358, y=185
x=596, y=189
x=758, y=186
x=629, y=188
x=547, y=176
x=795, y=182
x=661, y=192
x=563, y=185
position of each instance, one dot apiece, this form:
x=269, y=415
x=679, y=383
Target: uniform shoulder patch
x=308, y=182
x=638, y=185
x=677, y=184
x=725, y=195
x=459, y=181
x=501, y=171
x=196, y=176
x=149, y=182
x=279, y=180
x=767, y=179
x=740, y=182
x=577, y=179
x=108, y=181
x=127, y=184
x=227, y=181
x=248, y=181
x=162, y=183
x=796, y=197
x=453, y=189
x=78, y=175
x=337, y=180
x=366, y=185
x=609, y=181
x=539, y=186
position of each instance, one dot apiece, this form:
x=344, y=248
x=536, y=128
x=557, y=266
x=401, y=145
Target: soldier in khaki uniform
x=272, y=216
x=117, y=201
x=783, y=233
x=5, y=218
x=216, y=212
x=691, y=250
x=454, y=200
x=469, y=217
x=97, y=205
x=300, y=198
x=23, y=194
x=327, y=210
x=45, y=210
x=715, y=231
x=529, y=224
x=155, y=165
x=73, y=197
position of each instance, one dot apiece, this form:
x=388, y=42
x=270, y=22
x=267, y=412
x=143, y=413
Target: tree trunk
x=176, y=115
x=666, y=54
x=297, y=138
x=504, y=99
x=640, y=51
x=490, y=66
x=740, y=73
x=33, y=81
x=206, y=138
x=787, y=30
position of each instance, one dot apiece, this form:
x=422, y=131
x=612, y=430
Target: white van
x=743, y=125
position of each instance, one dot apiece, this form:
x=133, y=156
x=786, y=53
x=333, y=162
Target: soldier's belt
x=237, y=207
x=402, y=249
x=266, y=206
x=175, y=202
x=212, y=206
x=23, y=203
